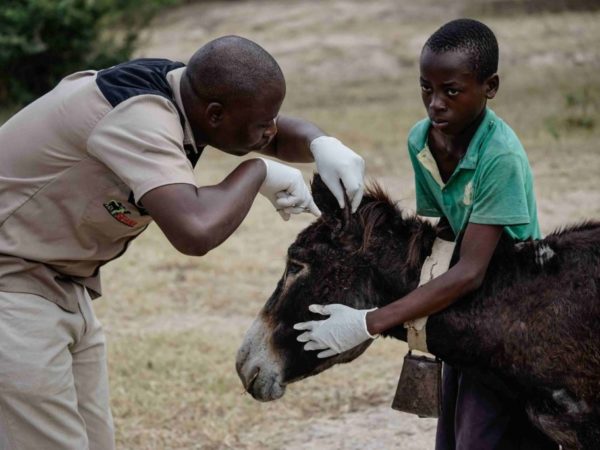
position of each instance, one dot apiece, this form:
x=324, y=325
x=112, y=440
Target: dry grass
x=174, y=322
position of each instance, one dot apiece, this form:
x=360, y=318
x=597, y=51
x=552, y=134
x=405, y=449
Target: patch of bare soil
x=376, y=428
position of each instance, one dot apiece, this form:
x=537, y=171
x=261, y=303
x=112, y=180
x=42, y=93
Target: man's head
x=458, y=74
x=232, y=90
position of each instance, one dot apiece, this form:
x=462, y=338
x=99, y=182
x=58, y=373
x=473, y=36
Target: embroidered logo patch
x=119, y=212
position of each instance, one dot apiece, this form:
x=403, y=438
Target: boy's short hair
x=470, y=36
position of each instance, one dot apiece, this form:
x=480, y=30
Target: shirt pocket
x=112, y=215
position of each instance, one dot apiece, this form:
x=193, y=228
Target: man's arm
x=478, y=246
x=292, y=141
x=341, y=169
x=196, y=220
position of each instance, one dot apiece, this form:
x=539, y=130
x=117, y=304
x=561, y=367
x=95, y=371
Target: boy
x=472, y=172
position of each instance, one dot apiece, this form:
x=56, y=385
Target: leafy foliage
x=43, y=40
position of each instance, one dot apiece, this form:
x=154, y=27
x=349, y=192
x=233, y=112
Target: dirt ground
x=174, y=322
x=375, y=428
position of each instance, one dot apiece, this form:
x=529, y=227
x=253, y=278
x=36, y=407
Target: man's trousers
x=53, y=376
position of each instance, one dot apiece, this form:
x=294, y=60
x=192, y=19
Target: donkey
x=534, y=323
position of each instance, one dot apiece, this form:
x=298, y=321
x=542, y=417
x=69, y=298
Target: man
x=85, y=168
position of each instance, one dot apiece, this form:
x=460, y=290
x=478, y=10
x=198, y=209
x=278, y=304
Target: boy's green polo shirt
x=492, y=184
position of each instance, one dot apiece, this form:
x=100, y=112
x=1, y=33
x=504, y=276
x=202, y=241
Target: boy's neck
x=454, y=146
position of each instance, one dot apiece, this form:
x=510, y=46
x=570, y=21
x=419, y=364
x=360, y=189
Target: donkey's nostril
x=251, y=380
x=241, y=358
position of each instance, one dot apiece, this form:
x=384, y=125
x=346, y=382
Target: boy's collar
x=419, y=140
x=472, y=155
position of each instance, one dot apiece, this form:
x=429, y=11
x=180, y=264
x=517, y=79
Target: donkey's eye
x=294, y=268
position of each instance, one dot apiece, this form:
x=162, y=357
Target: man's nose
x=272, y=129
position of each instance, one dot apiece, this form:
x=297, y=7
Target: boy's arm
x=478, y=246
x=495, y=205
x=347, y=327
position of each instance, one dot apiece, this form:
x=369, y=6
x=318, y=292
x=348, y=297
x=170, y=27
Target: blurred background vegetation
x=41, y=41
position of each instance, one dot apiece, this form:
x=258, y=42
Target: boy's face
x=452, y=95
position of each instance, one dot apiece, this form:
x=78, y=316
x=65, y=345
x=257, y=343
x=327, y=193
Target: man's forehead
x=262, y=107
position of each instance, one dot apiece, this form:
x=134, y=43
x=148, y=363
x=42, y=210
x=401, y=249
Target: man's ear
x=214, y=113
x=491, y=86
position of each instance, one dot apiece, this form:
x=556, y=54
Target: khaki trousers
x=53, y=376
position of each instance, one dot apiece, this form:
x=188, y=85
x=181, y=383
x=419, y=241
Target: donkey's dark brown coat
x=535, y=322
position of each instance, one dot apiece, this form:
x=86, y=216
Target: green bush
x=43, y=40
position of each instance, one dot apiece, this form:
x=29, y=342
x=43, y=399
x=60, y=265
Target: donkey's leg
x=554, y=423
x=588, y=432
x=567, y=420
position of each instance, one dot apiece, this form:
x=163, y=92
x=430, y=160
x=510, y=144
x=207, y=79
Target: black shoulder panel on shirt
x=142, y=77
x=138, y=77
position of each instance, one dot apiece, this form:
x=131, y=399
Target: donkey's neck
x=401, y=261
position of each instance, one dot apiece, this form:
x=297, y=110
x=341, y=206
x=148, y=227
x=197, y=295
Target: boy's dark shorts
x=480, y=413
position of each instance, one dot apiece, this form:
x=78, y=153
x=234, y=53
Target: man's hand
x=284, y=186
x=344, y=329
x=337, y=164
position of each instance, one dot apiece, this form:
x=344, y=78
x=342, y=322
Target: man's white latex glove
x=284, y=186
x=336, y=162
x=344, y=329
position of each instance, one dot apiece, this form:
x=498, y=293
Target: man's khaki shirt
x=72, y=168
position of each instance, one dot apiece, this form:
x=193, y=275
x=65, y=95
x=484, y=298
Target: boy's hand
x=344, y=329
x=284, y=186
x=337, y=164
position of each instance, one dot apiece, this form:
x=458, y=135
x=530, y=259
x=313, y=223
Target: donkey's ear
x=339, y=219
x=323, y=197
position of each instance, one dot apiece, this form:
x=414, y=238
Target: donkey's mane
x=587, y=225
x=376, y=192
x=378, y=209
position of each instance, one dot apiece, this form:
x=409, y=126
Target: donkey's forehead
x=310, y=238
x=310, y=250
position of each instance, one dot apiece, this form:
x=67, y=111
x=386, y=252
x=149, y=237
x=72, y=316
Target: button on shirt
x=72, y=168
x=492, y=184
